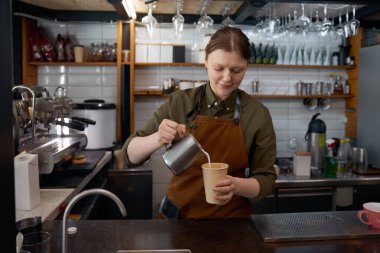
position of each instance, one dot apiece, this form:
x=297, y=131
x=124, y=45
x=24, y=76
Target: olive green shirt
x=255, y=121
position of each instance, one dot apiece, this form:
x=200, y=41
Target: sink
x=155, y=251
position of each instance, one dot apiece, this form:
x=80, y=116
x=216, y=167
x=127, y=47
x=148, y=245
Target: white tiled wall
x=84, y=82
x=289, y=116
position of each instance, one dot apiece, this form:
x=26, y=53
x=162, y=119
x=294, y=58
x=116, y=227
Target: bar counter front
x=198, y=236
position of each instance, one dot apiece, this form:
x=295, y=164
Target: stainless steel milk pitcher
x=181, y=154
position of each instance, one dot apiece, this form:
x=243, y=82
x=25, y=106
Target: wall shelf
x=155, y=93
x=193, y=64
x=44, y=63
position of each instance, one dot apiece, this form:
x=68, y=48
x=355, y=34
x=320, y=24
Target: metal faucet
x=75, y=200
x=33, y=107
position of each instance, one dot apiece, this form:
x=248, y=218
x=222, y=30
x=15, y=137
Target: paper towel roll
x=344, y=196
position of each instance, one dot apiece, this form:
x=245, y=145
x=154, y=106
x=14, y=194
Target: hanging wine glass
x=316, y=26
x=354, y=23
x=326, y=24
x=149, y=21
x=178, y=20
x=303, y=22
x=205, y=22
x=339, y=28
x=346, y=26
x=228, y=21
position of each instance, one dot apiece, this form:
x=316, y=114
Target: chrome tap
x=33, y=108
x=75, y=200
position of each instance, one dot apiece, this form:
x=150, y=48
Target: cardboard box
x=301, y=163
x=27, y=183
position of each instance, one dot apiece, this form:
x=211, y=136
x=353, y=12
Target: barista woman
x=231, y=126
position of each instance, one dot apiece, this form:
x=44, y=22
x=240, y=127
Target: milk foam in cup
x=212, y=173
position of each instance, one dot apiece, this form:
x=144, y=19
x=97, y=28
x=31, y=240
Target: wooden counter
x=219, y=236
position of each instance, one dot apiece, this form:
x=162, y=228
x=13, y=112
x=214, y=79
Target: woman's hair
x=229, y=39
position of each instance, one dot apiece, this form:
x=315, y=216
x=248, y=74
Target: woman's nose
x=226, y=75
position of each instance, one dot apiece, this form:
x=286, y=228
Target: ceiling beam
x=246, y=9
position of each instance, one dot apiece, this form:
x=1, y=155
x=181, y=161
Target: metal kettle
x=316, y=138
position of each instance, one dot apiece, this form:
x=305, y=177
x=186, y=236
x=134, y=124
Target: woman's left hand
x=225, y=189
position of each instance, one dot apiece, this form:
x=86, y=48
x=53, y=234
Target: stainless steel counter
x=291, y=181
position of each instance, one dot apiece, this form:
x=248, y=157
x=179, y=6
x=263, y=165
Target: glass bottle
x=349, y=156
x=338, y=86
x=330, y=164
x=341, y=158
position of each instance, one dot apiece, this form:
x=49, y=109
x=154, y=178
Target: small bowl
x=324, y=103
x=310, y=103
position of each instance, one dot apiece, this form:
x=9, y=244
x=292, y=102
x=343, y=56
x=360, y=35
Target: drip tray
x=283, y=227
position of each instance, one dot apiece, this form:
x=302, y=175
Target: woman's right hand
x=168, y=130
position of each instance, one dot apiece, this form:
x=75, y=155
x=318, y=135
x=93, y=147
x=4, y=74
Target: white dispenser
x=27, y=183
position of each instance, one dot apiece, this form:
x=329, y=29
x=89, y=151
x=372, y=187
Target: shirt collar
x=211, y=99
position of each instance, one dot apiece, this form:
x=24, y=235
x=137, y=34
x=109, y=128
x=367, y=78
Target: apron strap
x=237, y=112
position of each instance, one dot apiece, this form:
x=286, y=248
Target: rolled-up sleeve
x=263, y=156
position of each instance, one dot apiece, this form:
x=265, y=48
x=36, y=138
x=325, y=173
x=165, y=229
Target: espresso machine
x=43, y=125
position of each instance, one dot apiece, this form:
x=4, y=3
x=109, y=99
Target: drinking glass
x=346, y=26
x=228, y=22
x=339, y=28
x=178, y=20
x=354, y=23
x=360, y=160
x=205, y=22
x=326, y=24
x=149, y=21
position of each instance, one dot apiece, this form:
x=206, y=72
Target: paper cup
x=79, y=53
x=211, y=176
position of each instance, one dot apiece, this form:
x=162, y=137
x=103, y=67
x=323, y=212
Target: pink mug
x=370, y=214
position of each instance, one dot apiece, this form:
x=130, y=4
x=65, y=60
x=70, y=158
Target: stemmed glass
x=316, y=26
x=228, y=21
x=303, y=22
x=354, y=23
x=178, y=20
x=339, y=28
x=149, y=21
x=346, y=26
x=205, y=22
x=326, y=24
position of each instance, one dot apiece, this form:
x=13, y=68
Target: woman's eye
x=236, y=71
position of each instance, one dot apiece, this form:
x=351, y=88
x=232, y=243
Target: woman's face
x=225, y=71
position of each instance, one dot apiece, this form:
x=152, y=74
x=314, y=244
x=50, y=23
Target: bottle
x=259, y=55
x=348, y=148
x=341, y=158
x=347, y=88
x=338, y=87
x=330, y=164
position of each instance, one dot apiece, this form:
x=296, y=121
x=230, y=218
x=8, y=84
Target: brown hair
x=230, y=39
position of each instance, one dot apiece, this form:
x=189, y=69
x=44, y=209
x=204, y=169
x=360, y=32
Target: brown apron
x=223, y=140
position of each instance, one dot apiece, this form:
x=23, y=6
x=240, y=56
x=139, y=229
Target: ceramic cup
x=211, y=175
x=370, y=214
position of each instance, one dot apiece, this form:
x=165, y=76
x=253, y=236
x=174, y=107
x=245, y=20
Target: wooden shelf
x=193, y=64
x=44, y=63
x=155, y=93
x=301, y=66
x=279, y=96
x=170, y=64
